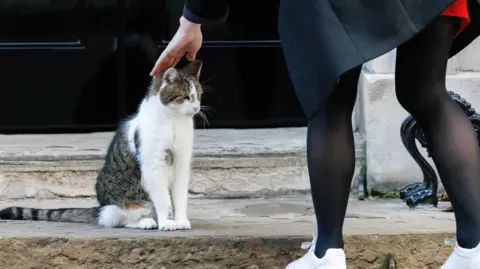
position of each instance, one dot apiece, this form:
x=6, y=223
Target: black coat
x=206, y=11
x=324, y=38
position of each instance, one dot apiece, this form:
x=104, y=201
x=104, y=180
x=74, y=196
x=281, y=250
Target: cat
x=143, y=183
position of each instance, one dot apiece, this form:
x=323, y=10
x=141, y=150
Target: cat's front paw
x=183, y=224
x=167, y=225
x=147, y=224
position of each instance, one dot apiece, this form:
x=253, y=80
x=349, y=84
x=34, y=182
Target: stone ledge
x=409, y=251
x=229, y=234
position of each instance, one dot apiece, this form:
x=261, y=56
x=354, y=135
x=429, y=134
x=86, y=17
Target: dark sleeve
x=206, y=11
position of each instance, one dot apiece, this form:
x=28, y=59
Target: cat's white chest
x=183, y=136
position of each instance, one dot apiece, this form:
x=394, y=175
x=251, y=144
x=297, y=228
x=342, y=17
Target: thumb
x=191, y=56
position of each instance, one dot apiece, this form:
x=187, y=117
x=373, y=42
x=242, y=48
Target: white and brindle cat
x=144, y=181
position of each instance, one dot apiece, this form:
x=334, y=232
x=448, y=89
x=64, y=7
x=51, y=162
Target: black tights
x=420, y=89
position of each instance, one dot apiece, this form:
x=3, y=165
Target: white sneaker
x=462, y=258
x=333, y=259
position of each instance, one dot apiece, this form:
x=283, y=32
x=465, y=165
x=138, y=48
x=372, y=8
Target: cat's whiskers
x=207, y=109
x=207, y=80
x=207, y=88
x=204, y=118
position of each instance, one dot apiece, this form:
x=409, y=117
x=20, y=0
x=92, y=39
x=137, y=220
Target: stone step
x=227, y=163
x=229, y=233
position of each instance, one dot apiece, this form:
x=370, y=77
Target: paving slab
x=230, y=233
x=288, y=216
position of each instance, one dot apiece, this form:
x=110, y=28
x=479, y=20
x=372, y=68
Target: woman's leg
x=327, y=100
x=331, y=161
x=420, y=87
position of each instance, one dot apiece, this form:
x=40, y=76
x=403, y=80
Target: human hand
x=187, y=40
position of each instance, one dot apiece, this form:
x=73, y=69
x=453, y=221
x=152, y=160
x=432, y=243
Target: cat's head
x=179, y=89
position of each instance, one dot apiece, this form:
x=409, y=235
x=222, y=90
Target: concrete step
x=227, y=163
x=229, y=233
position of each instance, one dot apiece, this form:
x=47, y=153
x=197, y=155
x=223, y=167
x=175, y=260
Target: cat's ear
x=170, y=75
x=163, y=78
x=194, y=68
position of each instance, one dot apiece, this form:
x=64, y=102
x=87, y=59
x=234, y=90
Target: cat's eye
x=186, y=98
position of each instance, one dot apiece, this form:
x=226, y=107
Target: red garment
x=459, y=9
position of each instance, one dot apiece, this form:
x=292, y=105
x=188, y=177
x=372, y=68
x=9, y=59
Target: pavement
x=230, y=233
x=274, y=217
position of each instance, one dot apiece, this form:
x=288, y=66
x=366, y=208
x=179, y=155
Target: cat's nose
x=196, y=109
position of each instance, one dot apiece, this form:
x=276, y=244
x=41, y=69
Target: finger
x=162, y=64
x=167, y=55
x=167, y=59
x=175, y=62
x=159, y=65
x=191, y=56
x=165, y=63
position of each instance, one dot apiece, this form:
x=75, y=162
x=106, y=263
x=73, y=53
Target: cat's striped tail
x=79, y=215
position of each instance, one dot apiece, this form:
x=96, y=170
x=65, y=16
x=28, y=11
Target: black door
x=82, y=65
x=51, y=54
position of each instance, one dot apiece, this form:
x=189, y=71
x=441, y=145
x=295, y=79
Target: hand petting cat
x=187, y=41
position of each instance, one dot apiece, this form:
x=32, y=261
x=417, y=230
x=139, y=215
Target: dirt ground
x=409, y=251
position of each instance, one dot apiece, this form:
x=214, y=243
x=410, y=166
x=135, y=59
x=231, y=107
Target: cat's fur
x=144, y=180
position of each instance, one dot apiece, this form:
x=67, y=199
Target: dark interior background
x=82, y=65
